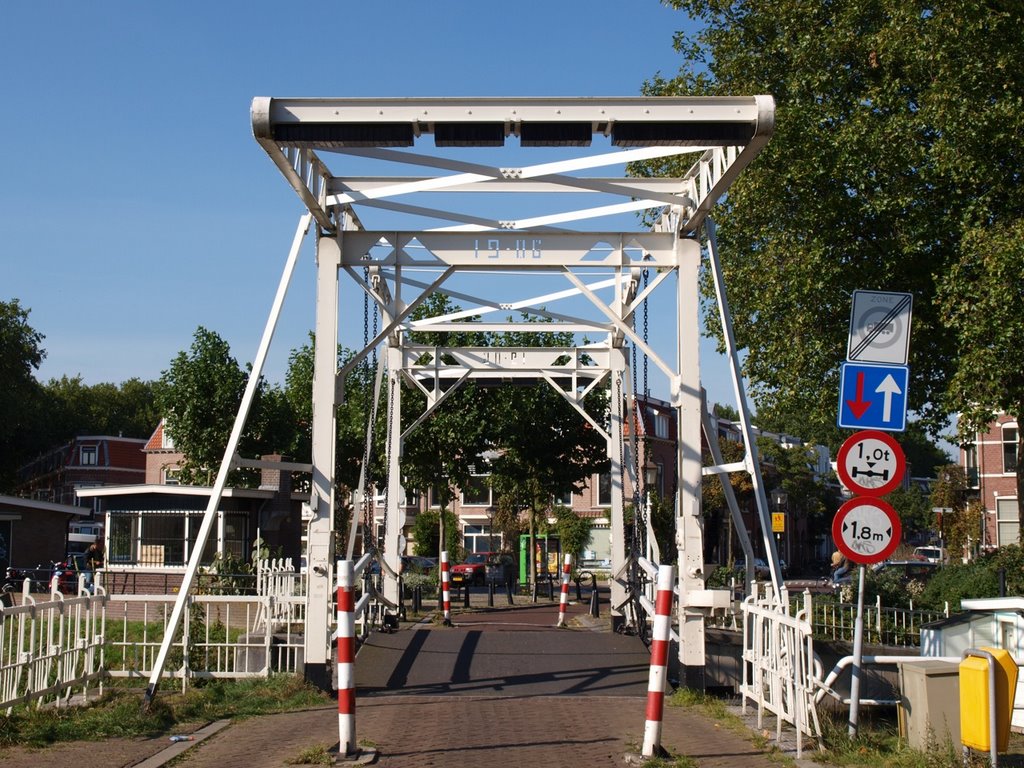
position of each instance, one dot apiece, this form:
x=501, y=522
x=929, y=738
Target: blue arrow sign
x=873, y=396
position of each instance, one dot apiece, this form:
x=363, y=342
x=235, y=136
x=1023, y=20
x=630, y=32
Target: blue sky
x=135, y=204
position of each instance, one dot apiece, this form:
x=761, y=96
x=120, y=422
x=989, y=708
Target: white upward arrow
x=888, y=388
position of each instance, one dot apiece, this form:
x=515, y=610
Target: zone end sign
x=866, y=530
x=871, y=463
x=880, y=327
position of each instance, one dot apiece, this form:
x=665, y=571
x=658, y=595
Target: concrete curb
x=177, y=748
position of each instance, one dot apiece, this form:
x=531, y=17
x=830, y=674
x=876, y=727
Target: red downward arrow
x=859, y=406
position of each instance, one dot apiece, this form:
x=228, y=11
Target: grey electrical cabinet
x=929, y=709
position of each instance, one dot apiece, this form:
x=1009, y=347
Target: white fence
x=49, y=649
x=53, y=646
x=779, y=671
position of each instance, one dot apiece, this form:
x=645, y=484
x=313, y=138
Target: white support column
x=689, y=524
x=615, y=445
x=394, y=541
x=321, y=528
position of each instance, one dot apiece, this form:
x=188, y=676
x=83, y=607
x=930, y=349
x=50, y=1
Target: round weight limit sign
x=866, y=530
x=871, y=463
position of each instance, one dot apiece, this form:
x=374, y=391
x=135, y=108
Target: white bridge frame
x=603, y=269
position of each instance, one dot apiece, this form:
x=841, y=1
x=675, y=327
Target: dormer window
x=88, y=455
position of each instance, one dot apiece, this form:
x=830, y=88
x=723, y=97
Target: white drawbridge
x=512, y=205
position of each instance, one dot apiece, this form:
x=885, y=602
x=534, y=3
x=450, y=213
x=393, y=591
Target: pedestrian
x=840, y=565
x=94, y=556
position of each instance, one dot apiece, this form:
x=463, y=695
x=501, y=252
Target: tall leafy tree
x=982, y=302
x=199, y=397
x=443, y=452
x=21, y=353
x=896, y=160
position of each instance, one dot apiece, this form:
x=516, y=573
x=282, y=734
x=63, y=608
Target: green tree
x=426, y=534
x=199, y=396
x=76, y=408
x=21, y=354
x=442, y=452
x=896, y=143
x=981, y=301
x=914, y=508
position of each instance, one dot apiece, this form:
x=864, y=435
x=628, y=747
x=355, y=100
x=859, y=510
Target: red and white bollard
x=346, y=659
x=659, y=660
x=446, y=595
x=563, y=600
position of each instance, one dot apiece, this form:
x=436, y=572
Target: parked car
x=919, y=570
x=931, y=554
x=417, y=564
x=473, y=569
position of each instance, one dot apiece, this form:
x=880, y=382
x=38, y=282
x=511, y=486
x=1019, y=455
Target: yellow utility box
x=978, y=705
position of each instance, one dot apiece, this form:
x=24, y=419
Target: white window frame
x=1007, y=519
x=92, y=451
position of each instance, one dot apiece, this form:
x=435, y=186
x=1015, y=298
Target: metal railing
x=52, y=645
x=831, y=620
x=779, y=673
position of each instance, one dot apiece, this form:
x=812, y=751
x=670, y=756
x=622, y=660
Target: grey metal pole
x=858, y=655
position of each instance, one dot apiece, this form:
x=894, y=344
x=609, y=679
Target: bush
x=976, y=579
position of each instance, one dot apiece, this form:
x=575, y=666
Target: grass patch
x=119, y=712
x=878, y=745
x=318, y=755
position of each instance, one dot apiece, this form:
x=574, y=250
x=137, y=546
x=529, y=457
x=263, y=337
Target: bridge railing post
x=563, y=600
x=659, y=660
x=346, y=659
x=446, y=597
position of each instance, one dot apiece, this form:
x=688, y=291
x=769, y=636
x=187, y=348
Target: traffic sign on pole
x=880, y=327
x=866, y=530
x=871, y=463
x=873, y=396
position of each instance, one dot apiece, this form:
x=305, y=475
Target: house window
x=477, y=492
x=88, y=455
x=170, y=476
x=564, y=499
x=167, y=538
x=604, y=489
x=1010, y=449
x=166, y=441
x=971, y=465
x=1007, y=522
x=478, y=538
x=434, y=498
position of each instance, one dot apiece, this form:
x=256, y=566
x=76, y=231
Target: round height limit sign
x=866, y=530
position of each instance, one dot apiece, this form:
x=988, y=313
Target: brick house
x=87, y=461
x=152, y=524
x=990, y=462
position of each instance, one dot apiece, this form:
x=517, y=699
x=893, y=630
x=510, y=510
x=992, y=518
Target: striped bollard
x=659, y=660
x=346, y=659
x=563, y=600
x=446, y=597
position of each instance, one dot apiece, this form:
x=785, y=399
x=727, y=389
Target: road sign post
x=873, y=396
x=871, y=463
x=880, y=327
x=866, y=530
